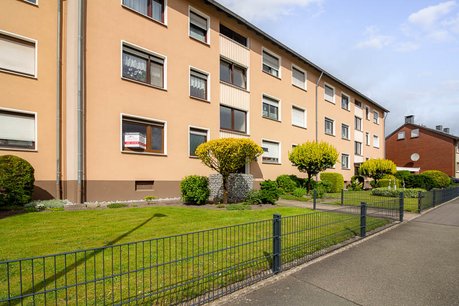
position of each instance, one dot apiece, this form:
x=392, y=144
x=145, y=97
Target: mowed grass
x=160, y=271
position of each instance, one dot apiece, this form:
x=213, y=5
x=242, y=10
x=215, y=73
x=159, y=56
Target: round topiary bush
x=286, y=183
x=195, y=189
x=440, y=179
x=16, y=180
x=336, y=181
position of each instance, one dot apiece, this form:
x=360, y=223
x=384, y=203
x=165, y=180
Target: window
x=345, y=101
x=144, y=185
x=143, y=67
x=233, y=74
x=375, y=141
x=367, y=112
x=358, y=123
x=298, y=78
x=358, y=148
x=151, y=8
x=376, y=117
x=345, y=131
x=270, y=108
x=358, y=104
x=197, y=137
x=198, y=85
x=329, y=93
x=401, y=135
x=415, y=133
x=233, y=35
x=141, y=135
x=17, y=55
x=329, y=126
x=345, y=161
x=199, y=27
x=271, y=64
x=17, y=130
x=32, y=1
x=298, y=117
x=271, y=152
x=233, y=119
x=367, y=139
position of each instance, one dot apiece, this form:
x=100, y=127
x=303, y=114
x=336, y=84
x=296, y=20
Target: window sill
x=358, y=130
x=358, y=155
x=144, y=84
x=192, y=157
x=299, y=126
x=345, y=168
x=234, y=86
x=205, y=43
x=276, y=77
x=275, y=120
x=200, y=99
x=332, y=102
x=347, y=139
x=18, y=149
x=271, y=163
x=300, y=88
x=144, y=153
x=25, y=75
x=34, y=4
x=234, y=132
x=145, y=16
x=329, y=134
x=375, y=147
x=346, y=109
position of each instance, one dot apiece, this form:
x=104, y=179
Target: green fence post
x=342, y=197
x=363, y=219
x=402, y=206
x=419, y=201
x=276, y=266
x=314, y=201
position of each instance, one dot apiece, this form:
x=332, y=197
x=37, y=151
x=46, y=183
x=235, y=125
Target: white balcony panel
x=234, y=51
x=234, y=97
x=232, y=135
x=358, y=159
x=358, y=136
x=358, y=112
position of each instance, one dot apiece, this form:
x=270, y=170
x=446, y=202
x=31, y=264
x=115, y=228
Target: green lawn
x=173, y=268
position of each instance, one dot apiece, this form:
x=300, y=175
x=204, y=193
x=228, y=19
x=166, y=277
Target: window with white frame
x=141, y=135
x=329, y=93
x=375, y=141
x=358, y=104
x=31, y=1
x=367, y=138
x=415, y=133
x=358, y=123
x=271, y=151
x=298, y=78
x=17, y=55
x=345, y=161
x=150, y=8
x=367, y=112
x=144, y=67
x=199, y=84
x=298, y=117
x=17, y=130
x=401, y=135
x=345, y=102
x=376, y=117
x=358, y=148
x=329, y=126
x=345, y=131
x=197, y=137
x=199, y=26
x=271, y=64
x=270, y=108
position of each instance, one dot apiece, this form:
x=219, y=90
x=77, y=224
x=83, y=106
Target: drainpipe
x=80, y=101
x=58, y=103
x=317, y=106
x=385, y=117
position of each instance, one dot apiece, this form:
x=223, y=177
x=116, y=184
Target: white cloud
x=374, y=40
x=267, y=9
x=427, y=17
x=407, y=46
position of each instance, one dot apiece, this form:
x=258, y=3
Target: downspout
x=80, y=101
x=385, y=117
x=58, y=103
x=317, y=106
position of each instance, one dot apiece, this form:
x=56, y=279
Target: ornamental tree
x=377, y=168
x=227, y=155
x=313, y=158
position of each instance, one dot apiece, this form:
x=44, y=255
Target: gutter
x=317, y=106
x=80, y=101
x=58, y=102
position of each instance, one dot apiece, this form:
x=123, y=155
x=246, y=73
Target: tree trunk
x=308, y=185
x=225, y=189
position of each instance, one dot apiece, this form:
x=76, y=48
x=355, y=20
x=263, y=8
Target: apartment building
x=115, y=96
x=417, y=148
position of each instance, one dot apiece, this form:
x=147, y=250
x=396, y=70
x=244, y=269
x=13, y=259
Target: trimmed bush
x=418, y=181
x=286, y=183
x=388, y=180
x=336, y=180
x=269, y=192
x=402, y=175
x=195, y=189
x=440, y=179
x=357, y=183
x=16, y=180
x=299, y=192
x=408, y=192
x=254, y=198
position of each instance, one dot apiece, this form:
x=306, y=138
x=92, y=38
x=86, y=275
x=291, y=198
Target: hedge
x=336, y=180
x=16, y=180
x=195, y=189
x=440, y=179
x=386, y=192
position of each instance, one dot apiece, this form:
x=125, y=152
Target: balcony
x=234, y=51
x=234, y=97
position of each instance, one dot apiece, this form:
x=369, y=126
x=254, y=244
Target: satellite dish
x=415, y=157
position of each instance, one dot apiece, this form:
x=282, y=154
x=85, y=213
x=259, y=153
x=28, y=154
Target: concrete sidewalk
x=416, y=263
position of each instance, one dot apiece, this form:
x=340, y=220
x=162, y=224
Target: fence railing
x=192, y=268
x=436, y=197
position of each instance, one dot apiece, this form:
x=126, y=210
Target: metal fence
x=192, y=268
x=436, y=197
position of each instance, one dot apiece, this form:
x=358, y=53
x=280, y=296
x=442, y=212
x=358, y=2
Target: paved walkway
x=416, y=263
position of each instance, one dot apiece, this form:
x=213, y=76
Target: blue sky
x=403, y=54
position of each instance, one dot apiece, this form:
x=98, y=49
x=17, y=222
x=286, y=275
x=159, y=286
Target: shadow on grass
x=51, y=279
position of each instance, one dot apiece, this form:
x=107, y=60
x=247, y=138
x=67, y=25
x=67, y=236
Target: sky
x=403, y=54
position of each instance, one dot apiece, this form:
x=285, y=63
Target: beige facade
x=280, y=110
